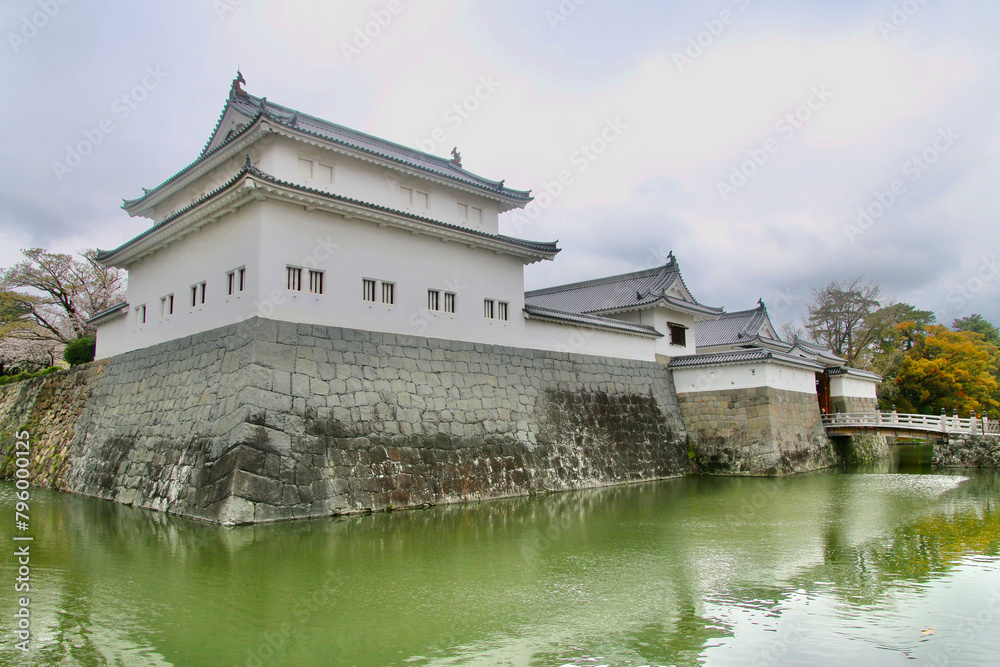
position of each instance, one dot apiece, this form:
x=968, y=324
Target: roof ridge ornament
x=236, y=90
x=456, y=157
x=760, y=303
x=248, y=164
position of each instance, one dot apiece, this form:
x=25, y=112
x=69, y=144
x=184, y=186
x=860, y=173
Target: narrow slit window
x=198, y=294
x=315, y=282
x=368, y=290
x=502, y=310
x=140, y=314
x=294, y=279
x=242, y=275
x=167, y=305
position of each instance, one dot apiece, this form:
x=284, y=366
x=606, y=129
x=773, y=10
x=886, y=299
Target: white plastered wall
x=744, y=376
x=852, y=387
x=557, y=337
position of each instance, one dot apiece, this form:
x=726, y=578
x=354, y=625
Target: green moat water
x=880, y=565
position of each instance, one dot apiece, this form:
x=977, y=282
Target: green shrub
x=80, y=351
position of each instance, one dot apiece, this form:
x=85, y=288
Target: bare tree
x=841, y=316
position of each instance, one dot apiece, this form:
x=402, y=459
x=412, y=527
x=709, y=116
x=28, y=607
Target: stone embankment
x=265, y=420
x=975, y=451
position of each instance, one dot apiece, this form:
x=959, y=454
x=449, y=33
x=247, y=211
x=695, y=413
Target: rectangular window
x=472, y=214
x=140, y=314
x=433, y=300
x=389, y=293
x=324, y=173
x=449, y=302
x=678, y=334
x=502, y=310
x=198, y=294
x=236, y=281
x=368, y=290
x=411, y=197
x=315, y=282
x=294, y=278
x=305, y=169
x=167, y=305
x=490, y=309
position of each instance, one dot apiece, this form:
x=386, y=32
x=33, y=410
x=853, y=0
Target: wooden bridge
x=922, y=427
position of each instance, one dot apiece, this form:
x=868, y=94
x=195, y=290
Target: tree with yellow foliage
x=950, y=370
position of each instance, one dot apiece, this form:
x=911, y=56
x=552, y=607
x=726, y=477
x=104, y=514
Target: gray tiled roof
x=257, y=107
x=249, y=169
x=107, y=311
x=603, y=295
x=742, y=326
x=843, y=370
x=591, y=321
x=739, y=357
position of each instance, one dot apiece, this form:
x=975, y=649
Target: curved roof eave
x=541, y=248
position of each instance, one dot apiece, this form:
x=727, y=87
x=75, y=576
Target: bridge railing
x=903, y=421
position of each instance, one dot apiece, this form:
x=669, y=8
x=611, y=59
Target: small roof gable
x=741, y=328
x=628, y=291
x=243, y=111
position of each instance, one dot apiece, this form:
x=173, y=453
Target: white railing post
x=972, y=423
x=895, y=415
x=944, y=421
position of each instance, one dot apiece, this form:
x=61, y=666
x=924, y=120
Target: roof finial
x=456, y=157
x=236, y=84
x=760, y=303
x=670, y=257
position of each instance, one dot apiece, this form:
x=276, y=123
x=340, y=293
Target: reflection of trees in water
x=964, y=522
x=453, y=576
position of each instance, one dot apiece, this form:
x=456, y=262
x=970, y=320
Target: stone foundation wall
x=47, y=408
x=846, y=404
x=269, y=420
x=862, y=448
x=973, y=451
x=759, y=431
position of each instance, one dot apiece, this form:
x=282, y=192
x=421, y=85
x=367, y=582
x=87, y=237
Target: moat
x=883, y=564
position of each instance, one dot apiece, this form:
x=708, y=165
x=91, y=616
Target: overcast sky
x=745, y=135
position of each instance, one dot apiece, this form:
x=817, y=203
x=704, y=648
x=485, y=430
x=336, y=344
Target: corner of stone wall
x=862, y=448
x=972, y=451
